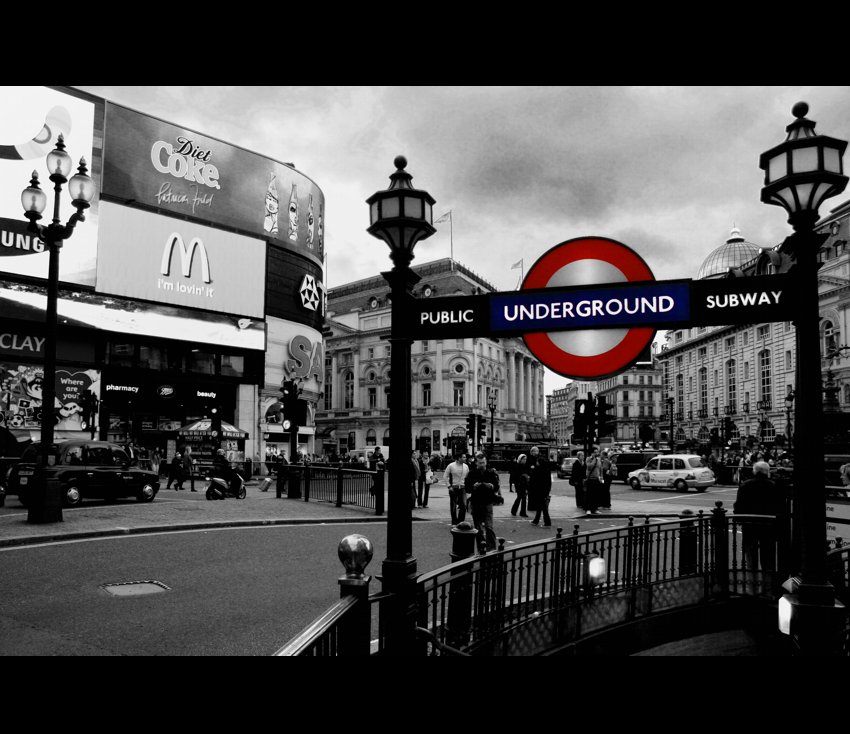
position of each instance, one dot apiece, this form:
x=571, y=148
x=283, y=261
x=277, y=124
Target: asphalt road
x=237, y=591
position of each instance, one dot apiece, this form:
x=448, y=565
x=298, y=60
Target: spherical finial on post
x=400, y=162
x=801, y=109
x=355, y=551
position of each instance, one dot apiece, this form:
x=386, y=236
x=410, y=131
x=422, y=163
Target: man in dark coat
x=539, y=486
x=482, y=486
x=577, y=476
x=759, y=496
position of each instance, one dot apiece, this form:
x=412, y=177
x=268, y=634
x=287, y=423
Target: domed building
x=733, y=254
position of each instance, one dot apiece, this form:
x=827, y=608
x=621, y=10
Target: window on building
x=625, y=379
x=703, y=388
x=640, y=380
x=426, y=394
x=650, y=410
x=714, y=349
x=788, y=326
x=625, y=394
x=201, y=363
x=640, y=395
x=702, y=353
x=691, y=384
x=763, y=332
x=459, y=343
x=730, y=343
x=847, y=393
x=352, y=439
x=478, y=395
x=370, y=353
x=746, y=370
x=765, y=384
x=233, y=365
x=372, y=394
x=649, y=379
x=458, y=394
x=625, y=411
x=829, y=337
x=679, y=361
x=716, y=380
x=745, y=338
x=348, y=383
x=640, y=411
x=371, y=438
x=788, y=361
x=121, y=354
x=387, y=437
x=424, y=345
x=731, y=383
x=679, y=336
x=680, y=391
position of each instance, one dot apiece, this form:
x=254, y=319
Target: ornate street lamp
x=670, y=403
x=401, y=217
x=800, y=173
x=45, y=505
x=491, y=404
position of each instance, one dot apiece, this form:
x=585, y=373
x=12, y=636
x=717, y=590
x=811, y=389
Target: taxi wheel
x=146, y=493
x=71, y=496
x=681, y=485
x=634, y=482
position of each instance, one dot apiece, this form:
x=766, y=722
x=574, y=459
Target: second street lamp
x=800, y=173
x=491, y=404
x=400, y=216
x=44, y=501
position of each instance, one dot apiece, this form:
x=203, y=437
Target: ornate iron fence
x=543, y=595
x=339, y=485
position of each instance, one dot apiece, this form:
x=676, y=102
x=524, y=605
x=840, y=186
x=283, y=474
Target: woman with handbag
x=593, y=484
x=520, y=478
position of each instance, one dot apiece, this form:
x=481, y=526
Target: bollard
x=380, y=478
x=687, y=543
x=355, y=552
x=293, y=490
x=281, y=482
x=720, y=533
x=458, y=621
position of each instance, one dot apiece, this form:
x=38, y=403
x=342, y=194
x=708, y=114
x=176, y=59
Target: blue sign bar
x=554, y=309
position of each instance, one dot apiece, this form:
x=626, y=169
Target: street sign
x=590, y=307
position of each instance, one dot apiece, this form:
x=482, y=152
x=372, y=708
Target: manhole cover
x=135, y=588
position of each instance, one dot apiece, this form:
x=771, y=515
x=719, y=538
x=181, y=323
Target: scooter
x=218, y=488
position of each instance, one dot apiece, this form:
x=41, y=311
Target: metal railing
x=340, y=485
x=549, y=594
x=323, y=637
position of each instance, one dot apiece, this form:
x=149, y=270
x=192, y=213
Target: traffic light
x=584, y=421
x=289, y=390
x=606, y=418
x=215, y=423
x=728, y=427
x=482, y=430
x=470, y=426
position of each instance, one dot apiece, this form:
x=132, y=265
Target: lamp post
x=491, y=404
x=45, y=505
x=670, y=403
x=401, y=216
x=800, y=173
x=789, y=408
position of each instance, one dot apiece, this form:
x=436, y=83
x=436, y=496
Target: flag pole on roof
x=518, y=264
x=448, y=215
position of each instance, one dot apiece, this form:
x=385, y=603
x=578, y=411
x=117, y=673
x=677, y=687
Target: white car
x=673, y=471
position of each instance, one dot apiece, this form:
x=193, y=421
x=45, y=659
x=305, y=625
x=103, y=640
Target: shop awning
x=202, y=428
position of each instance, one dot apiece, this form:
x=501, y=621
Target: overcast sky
x=665, y=170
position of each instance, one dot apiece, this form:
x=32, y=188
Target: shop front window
x=152, y=358
x=232, y=365
x=202, y=363
x=120, y=354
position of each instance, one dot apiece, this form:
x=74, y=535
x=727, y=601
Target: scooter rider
x=222, y=468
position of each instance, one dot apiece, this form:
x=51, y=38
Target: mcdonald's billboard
x=174, y=262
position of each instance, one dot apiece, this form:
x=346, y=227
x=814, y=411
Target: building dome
x=733, y=254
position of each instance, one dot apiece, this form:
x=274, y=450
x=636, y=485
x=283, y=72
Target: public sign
x=589, y=307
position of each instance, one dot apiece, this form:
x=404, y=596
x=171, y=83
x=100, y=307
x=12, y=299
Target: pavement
x=185, y=510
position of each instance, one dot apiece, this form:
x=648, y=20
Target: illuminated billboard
x=175, y=170
x=31, y=119
x=179, y=263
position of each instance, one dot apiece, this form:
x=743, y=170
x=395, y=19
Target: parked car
x=673, y=471
x=565, y=468
x=85, y=469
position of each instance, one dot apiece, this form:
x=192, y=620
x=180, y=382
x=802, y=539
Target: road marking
x=688, y=497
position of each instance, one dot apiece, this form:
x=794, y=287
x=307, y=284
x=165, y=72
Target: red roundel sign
x=588, y=353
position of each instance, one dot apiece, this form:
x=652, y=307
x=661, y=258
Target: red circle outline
x=632, y=265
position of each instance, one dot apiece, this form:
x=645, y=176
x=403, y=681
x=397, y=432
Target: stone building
x=452, y=378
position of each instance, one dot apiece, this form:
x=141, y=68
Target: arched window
x=847, y=393
x=348, y=384
x=829, y=337
x=370, y=437
x=387, y=437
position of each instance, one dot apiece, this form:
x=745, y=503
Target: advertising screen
x=31, y=119
x=179, y=263
x=98, y=311
x=179, y=171
x=21, y=397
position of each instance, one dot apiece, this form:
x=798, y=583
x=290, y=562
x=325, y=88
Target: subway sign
x=658, y=304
